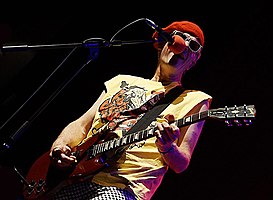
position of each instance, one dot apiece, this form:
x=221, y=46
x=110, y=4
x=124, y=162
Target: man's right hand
x=61, y=156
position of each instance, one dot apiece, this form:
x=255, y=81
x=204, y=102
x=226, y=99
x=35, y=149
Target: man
x=136, y=171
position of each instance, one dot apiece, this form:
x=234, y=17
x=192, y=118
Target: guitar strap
x=151, y=114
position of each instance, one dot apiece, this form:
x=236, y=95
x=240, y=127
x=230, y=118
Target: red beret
x=184, y=26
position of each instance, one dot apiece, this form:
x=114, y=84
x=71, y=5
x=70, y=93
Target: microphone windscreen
x=178, y=45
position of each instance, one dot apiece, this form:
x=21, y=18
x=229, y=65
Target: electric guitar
x=44, y=179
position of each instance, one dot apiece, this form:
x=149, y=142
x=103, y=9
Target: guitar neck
x=142, y=134
x=239, y=114
x=192, y=118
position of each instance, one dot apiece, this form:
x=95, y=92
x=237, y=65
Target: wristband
x=171, y=149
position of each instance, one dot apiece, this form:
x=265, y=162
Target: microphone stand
x=93, y=43
x=89, y=43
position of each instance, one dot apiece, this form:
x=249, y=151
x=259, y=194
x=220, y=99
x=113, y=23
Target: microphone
x=176, y=43
x=166, y=36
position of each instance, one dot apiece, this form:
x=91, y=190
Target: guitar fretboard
x=141, y=135
x=244, y=112
x=192, y=118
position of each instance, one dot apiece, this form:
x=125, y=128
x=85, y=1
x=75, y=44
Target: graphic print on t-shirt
x=122, y=108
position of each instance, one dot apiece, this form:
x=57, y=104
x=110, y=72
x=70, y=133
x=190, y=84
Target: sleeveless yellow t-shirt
x=140, y=169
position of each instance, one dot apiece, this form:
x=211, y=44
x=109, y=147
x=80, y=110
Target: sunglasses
x=194, y=45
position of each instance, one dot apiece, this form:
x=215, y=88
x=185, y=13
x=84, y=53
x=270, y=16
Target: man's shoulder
x=197, y=93
x=125, y=76
x=128, y=78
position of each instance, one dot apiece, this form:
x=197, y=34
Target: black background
x=235, y=68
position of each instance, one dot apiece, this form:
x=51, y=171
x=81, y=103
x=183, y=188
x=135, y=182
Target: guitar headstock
x=236, y=115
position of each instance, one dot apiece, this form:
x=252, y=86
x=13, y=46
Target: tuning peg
x=228, y=123
x=248, y=122
x=237, y=122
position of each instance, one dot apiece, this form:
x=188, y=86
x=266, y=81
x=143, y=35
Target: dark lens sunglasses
x=194, y=45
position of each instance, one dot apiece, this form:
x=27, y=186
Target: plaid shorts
x=92, y=191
